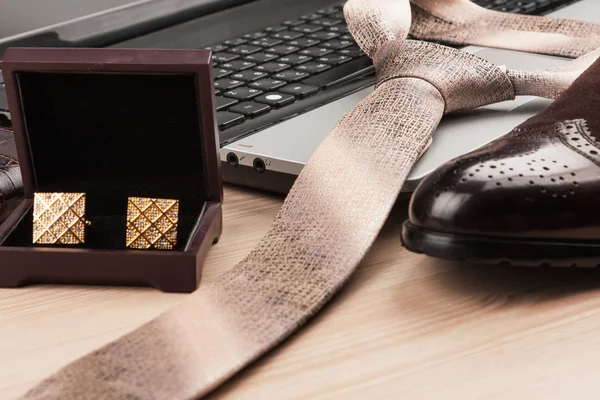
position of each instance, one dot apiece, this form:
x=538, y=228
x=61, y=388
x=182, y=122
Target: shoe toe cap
x=443, y=200
x=537, y=192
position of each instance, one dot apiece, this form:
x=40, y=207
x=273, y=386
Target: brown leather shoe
x=532, y=197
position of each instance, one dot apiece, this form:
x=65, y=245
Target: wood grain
x=406, y=326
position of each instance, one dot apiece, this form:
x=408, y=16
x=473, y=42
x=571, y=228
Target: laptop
x=285, y=73
x=273, y=157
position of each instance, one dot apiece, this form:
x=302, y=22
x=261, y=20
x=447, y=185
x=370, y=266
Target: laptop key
x=254, y=35
x=227, y=84
x=291, y=76
x=235, y=42
x=337, y=44
x=308, y=28
x=330, y=10
x=224, y=57
x=295, y=59
x=339, y=29
x=267, y=84
x=313, y=67
x=304, y=42
x=266, y=42
x=333, y=59
x=299, y=90
x=275, y=28
x=223, y=103
x=275, y=99
x=242, y=93
x=315, y=51
x=324, y=35
x=249, y=75
x=216, y=48
x=238, y=65
x=245, y=49
x=526, y=6
x=228, y=119
x=308, y=17
x=273, y=67
x=342, y=73
x=260, y=57
x=514, y=10
x=282, y=50
x=352, y=51
x=250, y=109
x=293, y=22
x=338, y=15
x=327, y=21
x=286, y=35
x=219, y=73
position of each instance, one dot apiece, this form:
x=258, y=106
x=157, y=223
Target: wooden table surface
x=406, y=326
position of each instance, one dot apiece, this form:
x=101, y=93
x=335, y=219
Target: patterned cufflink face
x=58, y=218
x=152, y=223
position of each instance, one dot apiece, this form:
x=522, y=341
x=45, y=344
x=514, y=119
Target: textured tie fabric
x=328, y=221
x=462, y=22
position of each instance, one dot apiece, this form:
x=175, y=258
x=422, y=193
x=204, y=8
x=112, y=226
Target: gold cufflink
x=152, y=223
x=58, y=218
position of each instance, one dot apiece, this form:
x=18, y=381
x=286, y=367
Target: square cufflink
x=152, y=223
x=58, y=218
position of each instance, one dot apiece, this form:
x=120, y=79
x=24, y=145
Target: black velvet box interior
x=114, y=135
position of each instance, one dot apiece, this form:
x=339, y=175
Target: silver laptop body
x=271, y=159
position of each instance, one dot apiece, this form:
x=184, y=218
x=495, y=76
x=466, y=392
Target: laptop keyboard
x=522, y=6
x=280, y=64
x=283, y=64
x=281, y=70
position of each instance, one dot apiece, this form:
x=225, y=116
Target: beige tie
x=328, y=221
x=462, y=22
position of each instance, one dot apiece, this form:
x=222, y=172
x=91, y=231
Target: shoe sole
x=498, y=250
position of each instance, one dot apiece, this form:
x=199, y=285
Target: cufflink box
x=113, y=124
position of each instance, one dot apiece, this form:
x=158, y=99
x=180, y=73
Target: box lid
x=115, y=122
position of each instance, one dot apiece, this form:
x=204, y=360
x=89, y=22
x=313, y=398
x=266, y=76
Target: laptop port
x=259, y=165
x=233, y=160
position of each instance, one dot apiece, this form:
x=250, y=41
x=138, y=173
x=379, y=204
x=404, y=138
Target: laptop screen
x=93, y=23
x=20, y=16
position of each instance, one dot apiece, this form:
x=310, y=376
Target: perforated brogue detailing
x=541, y=169
x=578, y=136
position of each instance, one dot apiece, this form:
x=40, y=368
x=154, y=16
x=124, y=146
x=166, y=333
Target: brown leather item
x=529, y=197
x=11, y=186
x=328, y=221
x=11, y=183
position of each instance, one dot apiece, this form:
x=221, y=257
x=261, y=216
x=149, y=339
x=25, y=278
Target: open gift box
x=113, y=125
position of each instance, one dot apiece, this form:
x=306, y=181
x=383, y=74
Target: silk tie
x=462, y=22
x=335, y=209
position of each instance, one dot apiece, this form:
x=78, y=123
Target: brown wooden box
x=113, y=123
